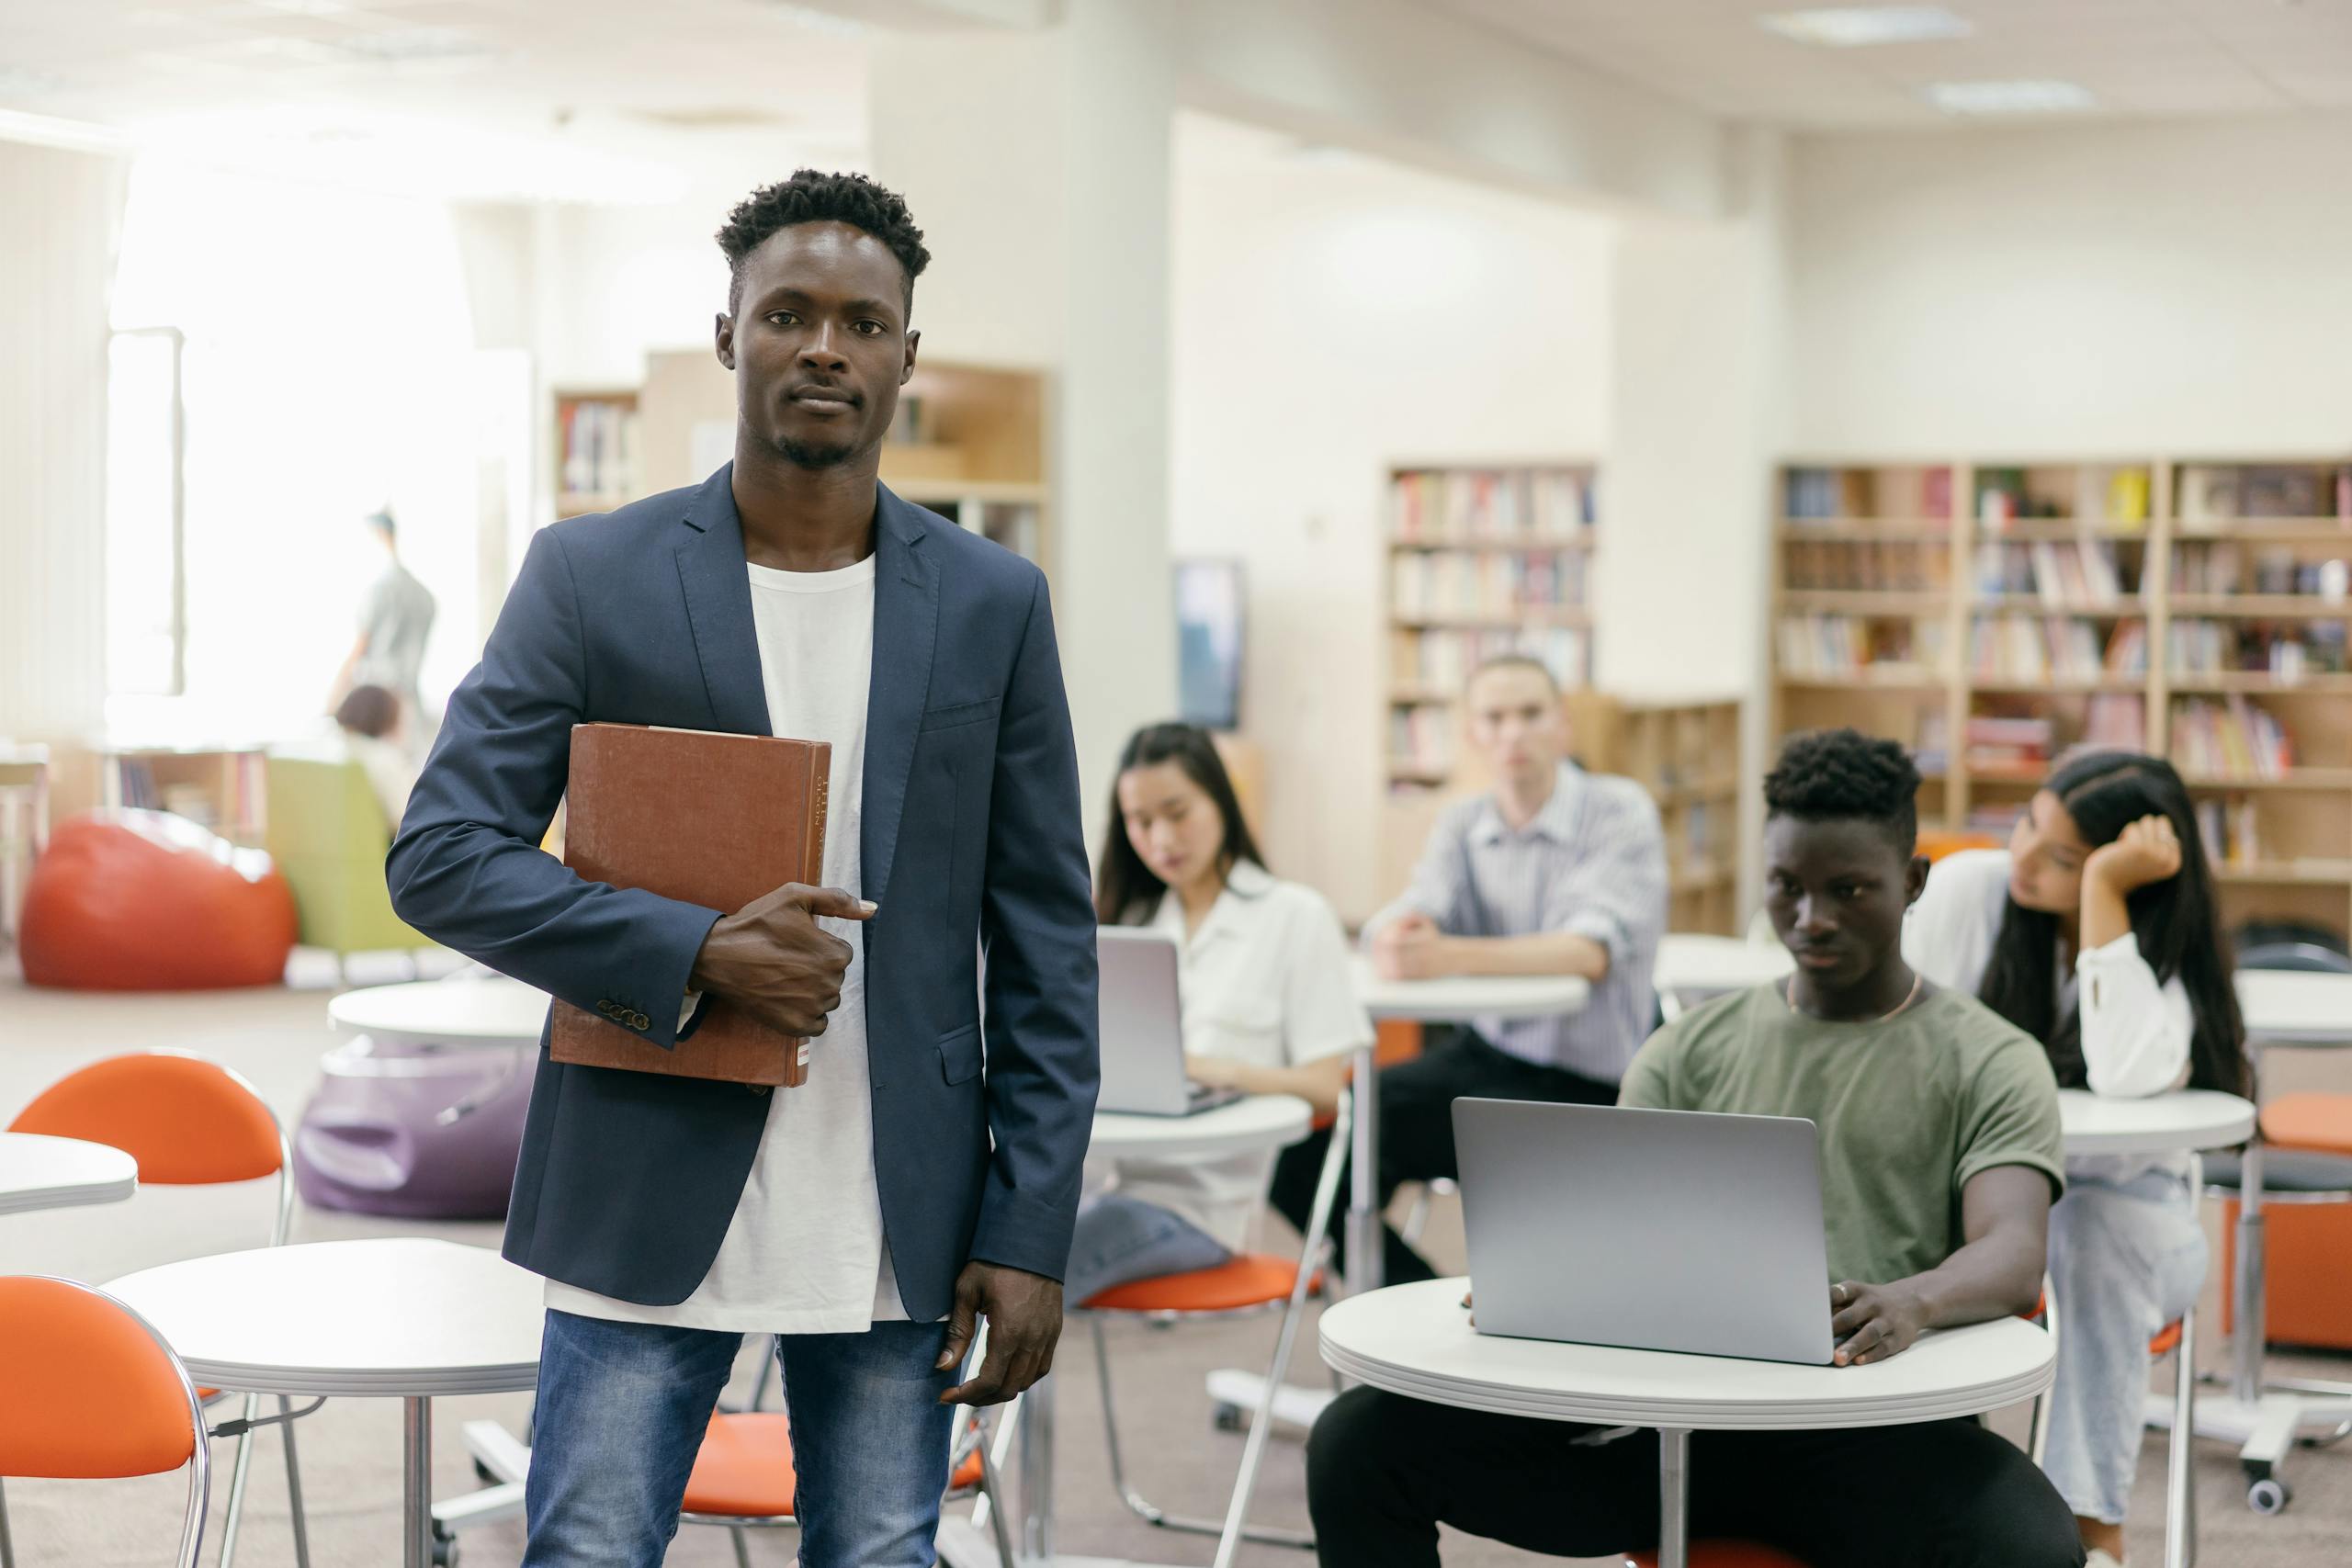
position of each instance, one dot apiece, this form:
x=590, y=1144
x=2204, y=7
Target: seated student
x=1555, y=872
x=1940, y=1156
x=2096, y=932
x=1270, y=1007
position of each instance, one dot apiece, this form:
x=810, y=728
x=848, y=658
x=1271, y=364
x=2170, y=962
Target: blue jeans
x=621, y=1415
x=2125, y=1259
x=1121, y=1238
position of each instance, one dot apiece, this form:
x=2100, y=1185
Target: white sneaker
x=2100, y=1559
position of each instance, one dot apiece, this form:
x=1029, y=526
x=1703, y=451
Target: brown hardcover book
x=710, y=819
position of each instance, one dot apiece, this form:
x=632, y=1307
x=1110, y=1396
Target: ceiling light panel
x=1857, y=26
x=2016, y=98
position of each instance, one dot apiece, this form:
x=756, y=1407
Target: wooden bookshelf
x=2196, y=608
x=970, y=442
x=1478, y=561
x=597, y=450
x=1684, y=751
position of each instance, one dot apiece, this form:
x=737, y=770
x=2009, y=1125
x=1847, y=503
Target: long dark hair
x=2173, y=921
x=1127, y=891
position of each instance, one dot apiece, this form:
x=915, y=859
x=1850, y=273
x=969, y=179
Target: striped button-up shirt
x=1592, y=863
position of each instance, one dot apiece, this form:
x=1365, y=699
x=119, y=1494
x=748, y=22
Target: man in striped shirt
x=1556, y=872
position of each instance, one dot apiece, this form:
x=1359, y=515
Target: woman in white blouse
x=1270, y=1004
x=2095, y=931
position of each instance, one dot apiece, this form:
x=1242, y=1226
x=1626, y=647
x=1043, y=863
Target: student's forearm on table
x=1317, y=1082
x=1551, y=952
x=1997, y=1276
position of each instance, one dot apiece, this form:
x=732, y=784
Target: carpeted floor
x=351, y=1451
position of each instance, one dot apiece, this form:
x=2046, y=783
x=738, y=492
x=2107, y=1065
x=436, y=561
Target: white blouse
x=1266, y=980
x=2135, y=1033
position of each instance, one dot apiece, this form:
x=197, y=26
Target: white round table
x=1690, y=966
x=2286, y=1006
x=1417, y=1340
x=2163, y=1124
x=403, y=1318
x=493, y=1011
x=41, y=1172
x=1453, y=997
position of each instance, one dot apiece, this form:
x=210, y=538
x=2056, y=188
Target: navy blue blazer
x=971, y=840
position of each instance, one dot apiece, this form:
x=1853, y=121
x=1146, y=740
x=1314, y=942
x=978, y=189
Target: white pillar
x=1037, y=163
x=57, y=254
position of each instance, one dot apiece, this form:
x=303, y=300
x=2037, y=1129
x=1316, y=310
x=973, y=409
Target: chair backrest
x=93, y=1393
x=187, y=1121
x=2309, y=957
x=327, y=835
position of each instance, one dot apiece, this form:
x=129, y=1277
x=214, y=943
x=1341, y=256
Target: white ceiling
x=504, y=97
x=2140, y=57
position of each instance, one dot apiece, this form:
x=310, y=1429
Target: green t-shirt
x=1909, y=1109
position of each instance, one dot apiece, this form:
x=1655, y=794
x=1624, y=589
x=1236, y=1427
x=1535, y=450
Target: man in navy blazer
x=918, y=1181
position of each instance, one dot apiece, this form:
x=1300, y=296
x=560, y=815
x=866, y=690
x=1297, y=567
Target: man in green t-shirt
x=1940, y=1160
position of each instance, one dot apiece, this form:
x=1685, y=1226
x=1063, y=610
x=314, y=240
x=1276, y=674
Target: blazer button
x=640, y=1020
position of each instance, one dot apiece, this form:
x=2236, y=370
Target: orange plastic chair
x=188, y=1123
x=94, y=1394
x=743, y=1478
x=1247, y=1284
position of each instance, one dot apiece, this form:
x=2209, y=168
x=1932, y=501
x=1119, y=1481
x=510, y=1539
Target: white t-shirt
x=804, y=1252
x=1265, y=980
x=2136, y=1034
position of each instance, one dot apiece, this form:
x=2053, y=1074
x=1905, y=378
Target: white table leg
x=1363, y=1229
x=1036, y=1437
x=416, y=1484
x=1673, y=1498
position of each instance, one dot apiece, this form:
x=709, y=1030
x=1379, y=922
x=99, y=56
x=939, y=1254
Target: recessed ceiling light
x=1850, y=27
x=2011, y=98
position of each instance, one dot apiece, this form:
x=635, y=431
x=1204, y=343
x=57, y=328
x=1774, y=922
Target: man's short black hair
x=810, y=196
x=1834, y=773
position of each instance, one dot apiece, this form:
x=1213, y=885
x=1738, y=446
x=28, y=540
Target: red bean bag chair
x=147, y=901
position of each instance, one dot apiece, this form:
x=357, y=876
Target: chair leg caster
x=1228, y=1418
x=2269, y=1495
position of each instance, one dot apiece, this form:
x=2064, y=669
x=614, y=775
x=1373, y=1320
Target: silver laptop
x=1143, y=1029
x=1659, y=1230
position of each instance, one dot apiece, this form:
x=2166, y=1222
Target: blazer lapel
x=718, y=608
x=906, y=628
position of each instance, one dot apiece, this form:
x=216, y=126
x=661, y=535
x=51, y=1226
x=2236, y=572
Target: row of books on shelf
x=1485, y=582
x=2115, y=497
x=1833, y=646
x=1421, y=740
x=1875, y=565
x=2285, y=650
x=2211, y=568
x=1441, y=660
x=1829, y=495
x=1458, y=504
x=2232, y=830
x=2029, y=648
x=2060, y=575
x=2220, y=493
x=2023, y=746
x=2232, y=738
x=596, y=446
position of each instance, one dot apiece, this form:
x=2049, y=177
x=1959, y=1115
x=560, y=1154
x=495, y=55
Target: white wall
x=1330, y=319
x=57, y=248
x=2085, y=291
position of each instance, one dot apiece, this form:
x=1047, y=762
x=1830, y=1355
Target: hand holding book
x=774, y=960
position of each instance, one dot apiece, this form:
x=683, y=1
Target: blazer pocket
x=959, y=715
x=959, y=1054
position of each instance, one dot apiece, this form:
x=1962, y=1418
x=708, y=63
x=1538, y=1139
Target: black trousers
x=1384, y=1471
x=1417, y=1131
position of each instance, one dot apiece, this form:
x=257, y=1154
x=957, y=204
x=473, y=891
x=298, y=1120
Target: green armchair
x=327, y=833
